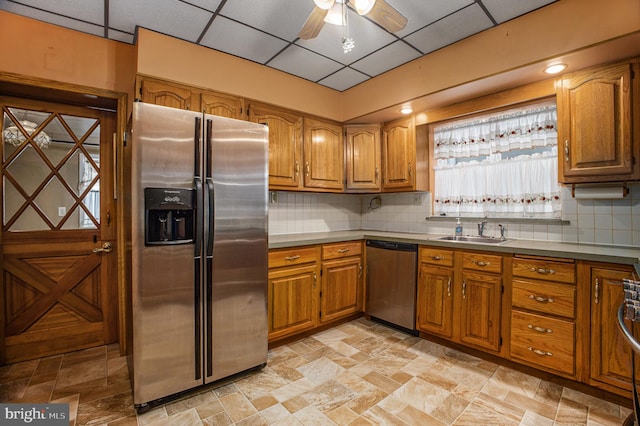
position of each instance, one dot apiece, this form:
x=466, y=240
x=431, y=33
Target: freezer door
x=236, y=158
x=165, y=314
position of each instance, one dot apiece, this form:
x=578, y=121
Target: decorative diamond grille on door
x=51, y=166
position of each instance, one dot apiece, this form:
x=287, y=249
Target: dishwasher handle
x=390, y=245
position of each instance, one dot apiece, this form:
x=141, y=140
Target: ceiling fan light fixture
x=364, y=6
x=324, y=4
x=335, y=15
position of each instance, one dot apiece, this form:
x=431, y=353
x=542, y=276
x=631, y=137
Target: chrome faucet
x=481, y=226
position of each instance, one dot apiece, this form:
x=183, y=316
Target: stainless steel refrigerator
x=199, y=249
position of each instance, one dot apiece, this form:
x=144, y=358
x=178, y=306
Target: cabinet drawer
x=336, y=251
x=548, y=298
x=436, y=256
x=543, y=341
x=544, y=270
x=482, y=262
x=294, y=256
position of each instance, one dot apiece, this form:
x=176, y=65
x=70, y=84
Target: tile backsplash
x=613, y=222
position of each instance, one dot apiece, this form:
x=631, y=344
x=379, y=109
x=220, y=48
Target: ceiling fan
x=379, y=11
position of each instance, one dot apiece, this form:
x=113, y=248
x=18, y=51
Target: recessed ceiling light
x=555, y=68
x=406, y=110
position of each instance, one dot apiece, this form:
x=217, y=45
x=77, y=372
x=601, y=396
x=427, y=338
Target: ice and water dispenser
x=169, y=216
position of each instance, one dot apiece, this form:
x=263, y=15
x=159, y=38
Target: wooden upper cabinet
x=168, y=94
x=596, y=141
x=323, y=156
x=285, y=144
x=222, y=105
x=363, y=165
x=399, y=155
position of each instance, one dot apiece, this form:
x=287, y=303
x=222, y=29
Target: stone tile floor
x=358, y=373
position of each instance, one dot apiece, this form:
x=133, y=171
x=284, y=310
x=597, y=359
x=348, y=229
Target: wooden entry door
x=57, y=246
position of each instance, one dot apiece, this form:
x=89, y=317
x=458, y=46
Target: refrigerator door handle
x=196, y=146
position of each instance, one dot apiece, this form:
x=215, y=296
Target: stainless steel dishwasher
x=391, y=282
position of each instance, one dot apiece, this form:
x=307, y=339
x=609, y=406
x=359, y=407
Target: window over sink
x=502, y=164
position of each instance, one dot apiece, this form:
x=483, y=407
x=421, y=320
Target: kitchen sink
x=473, y=239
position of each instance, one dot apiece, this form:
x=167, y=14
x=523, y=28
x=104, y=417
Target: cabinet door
x=595, y=125
x=222, y=105
x=341, y=291
x=435, y=300
x=480, y=310
x=323, y=155
x=363, y=158
x=285, y=145
x=292, y=304
x=168, y=94
x=399, y=155
x=610, y=352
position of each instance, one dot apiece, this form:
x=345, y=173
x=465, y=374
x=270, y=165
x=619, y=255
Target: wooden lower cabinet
x=435, y=300
x=293, y=291
x=457, y=300
x=341, y=291
x=610, y=366
x=544, y=314
x=480, y=310
x=312, y=286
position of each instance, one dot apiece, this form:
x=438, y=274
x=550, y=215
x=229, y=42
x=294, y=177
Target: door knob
x=106, y=248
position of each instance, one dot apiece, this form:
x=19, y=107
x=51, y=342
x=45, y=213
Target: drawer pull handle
x=449, y=288
x=344, y=250
x=541, y=299
x=539, y=352
x=544, y=271
x=292, y=258
x=481, y=263
x=539, y=329
x=433, y=257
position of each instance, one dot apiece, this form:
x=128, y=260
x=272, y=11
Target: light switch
x=62, y=211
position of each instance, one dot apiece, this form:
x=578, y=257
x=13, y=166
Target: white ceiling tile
x=237, y=39
x=343, y=79
x=91, y=11
x=53, y=18
x=387, y=58
x=210, y=5
x=455, y=27
x=367, y=36
x=282, y=18
x=301, y=62
x=420, y=13
x=503, y=10
x=171, y=17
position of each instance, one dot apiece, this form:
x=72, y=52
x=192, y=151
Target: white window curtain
x=479, y=170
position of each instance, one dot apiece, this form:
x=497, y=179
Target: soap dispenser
x=458, y=228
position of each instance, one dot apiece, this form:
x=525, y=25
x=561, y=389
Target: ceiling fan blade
x=313, y=25
x=387, y=17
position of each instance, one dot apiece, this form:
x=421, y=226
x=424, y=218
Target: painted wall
x=36, y=49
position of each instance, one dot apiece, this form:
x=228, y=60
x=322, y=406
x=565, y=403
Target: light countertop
x=592, y=252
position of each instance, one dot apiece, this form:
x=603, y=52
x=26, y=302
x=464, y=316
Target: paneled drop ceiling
x=266, y=31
